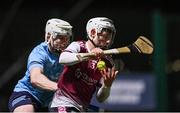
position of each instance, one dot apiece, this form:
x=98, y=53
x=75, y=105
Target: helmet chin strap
x=53, y=50
x=92, y=42
x=96, y=45
x=57, y=51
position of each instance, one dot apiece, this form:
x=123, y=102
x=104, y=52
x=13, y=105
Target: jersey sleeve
x=36, y=59
x=74, y=47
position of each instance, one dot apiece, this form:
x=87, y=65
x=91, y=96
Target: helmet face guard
x=99, y=24
x=57, y=34
x=57, y=28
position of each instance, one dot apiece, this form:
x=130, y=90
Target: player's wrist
x=106, y=86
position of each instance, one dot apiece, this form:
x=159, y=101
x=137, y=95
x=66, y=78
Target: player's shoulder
x=76, y=46
x=40, y=48
x=80, y=44
x=42, y=45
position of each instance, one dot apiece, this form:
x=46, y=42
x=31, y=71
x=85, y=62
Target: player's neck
x=53, y=51
x=89, y=46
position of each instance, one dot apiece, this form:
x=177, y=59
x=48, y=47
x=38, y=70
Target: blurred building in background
x=146, y=82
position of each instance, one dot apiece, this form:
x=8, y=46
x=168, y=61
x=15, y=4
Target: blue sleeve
x=36, y=59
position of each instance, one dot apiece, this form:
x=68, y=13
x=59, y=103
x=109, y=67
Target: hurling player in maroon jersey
x=81, y=78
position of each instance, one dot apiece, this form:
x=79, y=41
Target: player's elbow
x=67, y=58
x=63, y=60
x=33, y=80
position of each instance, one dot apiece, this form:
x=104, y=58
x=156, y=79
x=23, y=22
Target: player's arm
x=69, y=56
x=103, y=93
x=38, y=79
x=109, y=76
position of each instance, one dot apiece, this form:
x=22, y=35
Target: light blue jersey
x=40, y=57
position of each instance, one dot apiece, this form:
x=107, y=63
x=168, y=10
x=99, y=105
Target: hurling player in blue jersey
x=35, y=90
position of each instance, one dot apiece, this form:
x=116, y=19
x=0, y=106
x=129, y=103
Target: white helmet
x=58, y=27
x=98, y=23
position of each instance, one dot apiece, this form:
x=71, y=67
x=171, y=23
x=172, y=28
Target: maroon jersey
x=79, y=81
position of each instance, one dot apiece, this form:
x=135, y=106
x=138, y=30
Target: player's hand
x=98, y=52
x=109, y=75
